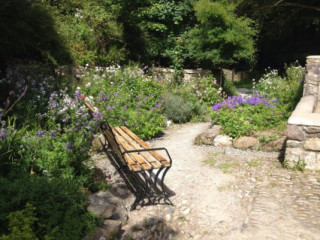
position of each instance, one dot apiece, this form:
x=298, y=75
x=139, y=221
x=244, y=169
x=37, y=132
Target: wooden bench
x=146, y=166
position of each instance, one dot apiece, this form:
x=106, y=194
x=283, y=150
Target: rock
x=186, y=211
x=312, y=144
x=246, y=142
x=294, y=132
x=222, y=141
x=96, y=145
x=109, y=212
x=207, y=138
x=168, y=217
x=109, y=230
x=151, y=221
x=275, y=146
x=293, y=144
x=120, y=214
x=102, y=210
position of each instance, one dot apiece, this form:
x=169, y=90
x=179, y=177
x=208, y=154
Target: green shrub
x=58, y=209
x=127, y=97
x=21, y=224
x=207, y=90
x=177, y=109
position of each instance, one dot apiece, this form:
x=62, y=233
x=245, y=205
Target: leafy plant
x=61, y=214
x=177, y=109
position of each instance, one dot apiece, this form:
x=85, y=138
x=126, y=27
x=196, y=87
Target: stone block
x=294, y=132
x=312, y=144
x=246, y=142
x=311, y=129
x=276, y=145
x=222, y=141
x=293, y=144
x=208, y=136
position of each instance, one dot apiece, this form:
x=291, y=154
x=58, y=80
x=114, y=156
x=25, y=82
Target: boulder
x=97, y=143
x=222, y=141
x=207, y=137
x=246, y=142
x=275, y=146
x=109, y=230
x=102, y=210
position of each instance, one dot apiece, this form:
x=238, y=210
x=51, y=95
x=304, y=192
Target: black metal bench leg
x=166, y=198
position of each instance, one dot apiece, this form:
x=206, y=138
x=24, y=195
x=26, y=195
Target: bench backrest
x=110, y=137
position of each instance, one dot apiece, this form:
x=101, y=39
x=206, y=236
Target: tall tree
x=221, y=38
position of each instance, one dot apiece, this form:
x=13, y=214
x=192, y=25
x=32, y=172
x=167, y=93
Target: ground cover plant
x=45, y=136
x=269, y=106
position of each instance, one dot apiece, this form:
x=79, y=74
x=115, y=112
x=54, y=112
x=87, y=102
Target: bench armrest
x=149, y=150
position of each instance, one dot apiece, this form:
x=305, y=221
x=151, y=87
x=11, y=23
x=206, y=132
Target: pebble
x=186, y=211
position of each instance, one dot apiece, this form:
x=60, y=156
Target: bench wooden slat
x=115, y=146
x=151, y=159
x=161, y=159
x=142, y=162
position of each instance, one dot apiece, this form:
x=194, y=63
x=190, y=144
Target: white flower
x=88, y=84
x=78, y=88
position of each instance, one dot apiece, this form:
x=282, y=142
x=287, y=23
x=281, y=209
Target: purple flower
x=115, y=94
x=125, y=108
x=77, y=94
x=108, y=107
x=3, y=133
x=138, y=111
x=39, y=133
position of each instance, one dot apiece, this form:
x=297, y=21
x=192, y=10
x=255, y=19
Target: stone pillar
x=303, y=129
x=311, y=85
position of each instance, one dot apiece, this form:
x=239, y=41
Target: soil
x=226, y=193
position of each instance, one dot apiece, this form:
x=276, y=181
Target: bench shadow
x=152, y=228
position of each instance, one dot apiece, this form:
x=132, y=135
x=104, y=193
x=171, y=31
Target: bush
x=177, y=109
x=127, y=97
x=268, y=107
x=53, y=208
x=240, y=117
x=207, y=90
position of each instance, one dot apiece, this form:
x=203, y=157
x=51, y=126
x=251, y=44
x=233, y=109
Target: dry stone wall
x=303, y=129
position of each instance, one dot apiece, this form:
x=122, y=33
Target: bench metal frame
x=145, y=184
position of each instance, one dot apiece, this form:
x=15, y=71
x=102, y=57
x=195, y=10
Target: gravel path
x=228, y=194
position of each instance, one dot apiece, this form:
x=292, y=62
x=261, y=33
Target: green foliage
x=128, y=97
x=287, y=89
x=21, y=224
x=177, y=109
x=220, y=37
x=299, y=165
x=43, y=207
x=207, y=90
x=229, y=88
x=267, y=109
x=28, y=31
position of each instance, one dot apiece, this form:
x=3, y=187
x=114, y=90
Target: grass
x=255, y=163
x=210, y=161
x=227, y=167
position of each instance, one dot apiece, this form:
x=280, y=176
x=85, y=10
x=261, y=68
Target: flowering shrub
x=207, y=90
x=286, y=89
x=270, y=105
x=241, y=116
x=127, y=97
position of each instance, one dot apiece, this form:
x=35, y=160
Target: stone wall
x=303, y=129
x=192, y=74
